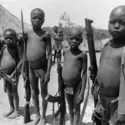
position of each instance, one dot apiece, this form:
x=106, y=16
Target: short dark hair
x=10, y=30
x=38, y=9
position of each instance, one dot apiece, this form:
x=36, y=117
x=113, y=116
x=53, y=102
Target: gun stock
x=93, y=63
x=91, y=48
x=25, y=69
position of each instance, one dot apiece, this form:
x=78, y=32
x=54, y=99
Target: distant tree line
x=99, y=34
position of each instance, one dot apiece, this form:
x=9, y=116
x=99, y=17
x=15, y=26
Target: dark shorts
x=40, y=73
x=34, y=76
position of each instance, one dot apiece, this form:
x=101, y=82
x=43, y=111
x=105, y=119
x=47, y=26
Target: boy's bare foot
x=9, y=113
x=14, y=115
x=37, y=121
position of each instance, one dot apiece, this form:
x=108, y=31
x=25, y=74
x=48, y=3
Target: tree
x=66, y=18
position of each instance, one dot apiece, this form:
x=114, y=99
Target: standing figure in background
x=58, y=38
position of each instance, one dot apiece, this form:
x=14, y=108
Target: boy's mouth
x=73, y=46
x=116, y=33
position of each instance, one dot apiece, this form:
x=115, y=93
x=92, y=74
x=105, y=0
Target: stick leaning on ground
x=85, y=103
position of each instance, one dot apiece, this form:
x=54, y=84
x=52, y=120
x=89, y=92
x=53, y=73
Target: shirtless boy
x=108, y=76
x=58, y=37
x=9, y=59
x=74, y=74
x=39, y=58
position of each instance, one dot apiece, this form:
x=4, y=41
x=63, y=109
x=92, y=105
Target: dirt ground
x=4, y=106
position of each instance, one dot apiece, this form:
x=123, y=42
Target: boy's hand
x=121, y=119
x=92, y=76
x=47, y=78
x=80, y=98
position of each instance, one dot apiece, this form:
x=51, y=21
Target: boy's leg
x=16, y=101
x=55, y=53
x=44, y=102
x=10, y=98
x=70, y=106
x=35, y=93
x=60, y=53
x=76, y=109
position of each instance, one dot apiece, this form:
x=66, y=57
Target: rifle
x=61, y=87
x=91, y=47
x=25, y=68
x=93, y=68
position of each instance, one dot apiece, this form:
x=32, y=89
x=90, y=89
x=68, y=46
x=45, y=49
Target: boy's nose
x=116, y=26
x=74, y=40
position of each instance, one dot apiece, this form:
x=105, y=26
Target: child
x=108, y=76
x=74, y=74
x=9, y=59
x=39, y=58
x=58, y=37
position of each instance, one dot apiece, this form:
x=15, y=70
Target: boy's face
x=37, y=19
x=55, y=29
x=117, y=23
x=75, y=39
x=10, y=38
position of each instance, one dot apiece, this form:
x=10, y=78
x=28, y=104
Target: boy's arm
x=49, y=53
x=121, y=98
x=17, y=69
x=21, y=40
x=84, y=75
x=61, y=37
x=80, y=97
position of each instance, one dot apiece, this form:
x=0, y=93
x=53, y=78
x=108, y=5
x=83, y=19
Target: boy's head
x=37, y=18
x=10, y=37
x=74, y=38
x=117, y=22
x=55, y=29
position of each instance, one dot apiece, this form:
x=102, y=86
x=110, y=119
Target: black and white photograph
x=62, y=62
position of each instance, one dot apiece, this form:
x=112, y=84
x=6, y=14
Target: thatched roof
x=8, y=20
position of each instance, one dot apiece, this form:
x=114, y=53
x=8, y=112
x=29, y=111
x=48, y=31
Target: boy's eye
x=112, y=22
x=121, y=22
x=75, y=38
x=71, y=38
x=37, y=17
x=8, y=38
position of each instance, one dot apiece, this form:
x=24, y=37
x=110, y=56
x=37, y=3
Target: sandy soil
x=4, y=106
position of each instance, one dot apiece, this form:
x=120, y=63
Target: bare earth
x=4, y=106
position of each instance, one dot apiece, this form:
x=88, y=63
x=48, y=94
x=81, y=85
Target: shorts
x=107, y=110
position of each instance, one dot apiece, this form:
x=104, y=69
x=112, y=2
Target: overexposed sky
x=78, y=10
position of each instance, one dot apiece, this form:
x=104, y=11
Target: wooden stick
x=85, y=104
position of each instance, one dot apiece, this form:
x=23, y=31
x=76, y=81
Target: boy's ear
x=43, y=20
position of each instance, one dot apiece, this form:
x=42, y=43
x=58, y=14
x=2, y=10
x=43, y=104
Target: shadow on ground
x=50, y=119
x=32, y=111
